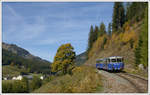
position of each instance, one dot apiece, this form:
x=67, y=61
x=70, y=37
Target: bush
x=36, y=83
x=6, y=87
x=48, y=79
x=15, y=86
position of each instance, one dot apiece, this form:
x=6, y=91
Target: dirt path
x=122, y=83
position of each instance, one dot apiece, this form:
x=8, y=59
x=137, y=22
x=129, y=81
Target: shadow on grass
x=113, y=71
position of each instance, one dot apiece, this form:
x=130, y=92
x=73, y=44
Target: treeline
x=95, y=33
x=123, y=17
x=141, y=52
x=9, y=58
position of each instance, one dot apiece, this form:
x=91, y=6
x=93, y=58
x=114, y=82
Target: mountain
x=81, y=58
x=15, y=56
x=20, y=52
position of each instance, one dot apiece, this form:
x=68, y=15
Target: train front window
x=113, y=60
x=119, y=60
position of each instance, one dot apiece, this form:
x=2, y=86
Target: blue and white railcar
x=110, y=63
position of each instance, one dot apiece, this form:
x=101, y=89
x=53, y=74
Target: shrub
x=6, y=87
x=48, y=79
x=36, y=83
x=15, y=86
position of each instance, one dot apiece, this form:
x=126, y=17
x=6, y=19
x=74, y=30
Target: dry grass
x=83, y=80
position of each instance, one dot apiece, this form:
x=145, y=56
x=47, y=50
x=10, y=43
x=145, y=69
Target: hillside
x=11, y=71
x=127, y=36
x=16, y=60
x=80, y=82
x=81, y=58
x=20, y=52
x=123, y=44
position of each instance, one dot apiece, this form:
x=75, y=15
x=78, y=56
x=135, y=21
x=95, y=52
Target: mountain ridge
x=21, y=52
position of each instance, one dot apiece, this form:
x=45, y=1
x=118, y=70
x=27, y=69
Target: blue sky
x=41, y=28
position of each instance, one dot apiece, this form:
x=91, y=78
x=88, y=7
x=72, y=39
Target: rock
x=141, y=67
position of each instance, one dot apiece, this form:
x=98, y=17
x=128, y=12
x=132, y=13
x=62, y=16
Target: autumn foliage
x=64, y=59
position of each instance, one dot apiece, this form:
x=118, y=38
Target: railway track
x=124, y=82
x=139, y=83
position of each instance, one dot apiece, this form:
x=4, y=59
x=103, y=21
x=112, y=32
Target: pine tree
x=135, y=8
x=109, y=29
x=144, y=38
x=118, y=16
x=141, y=52
x=102, y=30
x=64, y=59
x=90, y=39
x=95, y=34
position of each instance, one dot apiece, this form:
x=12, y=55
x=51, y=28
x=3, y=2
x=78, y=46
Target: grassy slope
x=80, y=81
x=114, y=47
x=11, y=71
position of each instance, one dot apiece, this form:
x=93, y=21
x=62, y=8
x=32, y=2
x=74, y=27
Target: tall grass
x=84, y=79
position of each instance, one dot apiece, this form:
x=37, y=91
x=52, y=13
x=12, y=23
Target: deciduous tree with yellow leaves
x=64, y=59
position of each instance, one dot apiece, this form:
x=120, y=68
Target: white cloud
x=13, y=12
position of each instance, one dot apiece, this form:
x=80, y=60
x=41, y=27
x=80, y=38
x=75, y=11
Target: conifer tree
x=135, y=8
x=95, y=34
x=144, y=38
x=90, y=38
x=109, y=29
x=118, y=16
x=141, y=52
x=102, y=30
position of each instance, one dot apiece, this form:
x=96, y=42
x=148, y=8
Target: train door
x=105, y=64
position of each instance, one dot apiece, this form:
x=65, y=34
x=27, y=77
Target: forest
x=120, y=31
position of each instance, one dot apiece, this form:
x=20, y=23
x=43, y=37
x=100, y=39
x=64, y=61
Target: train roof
x=99, y=59
x=112, y=57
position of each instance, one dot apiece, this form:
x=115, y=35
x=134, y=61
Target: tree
x=118, y=16
x=102, y=30
x=135, y=8
x=144, y=34
x=25, y=84
x=109, y=29
x=90, y=39
x=35, y=83
x=138, y=52
x=141, y=52
x=12, y=64
x=64, y=59
x=95, y=34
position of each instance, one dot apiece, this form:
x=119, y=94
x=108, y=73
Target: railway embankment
x=122, y=82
